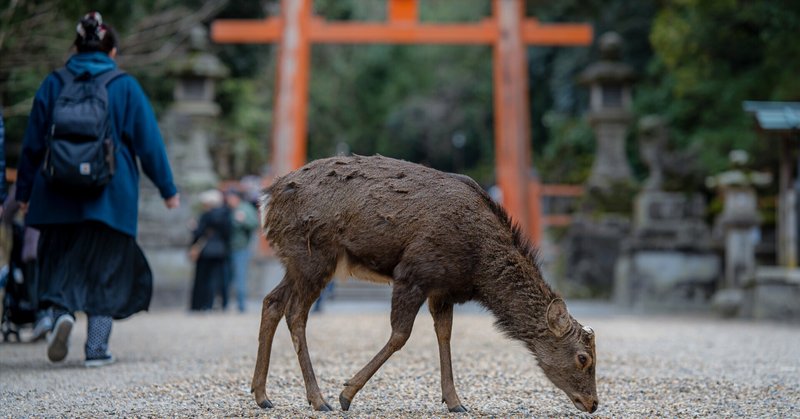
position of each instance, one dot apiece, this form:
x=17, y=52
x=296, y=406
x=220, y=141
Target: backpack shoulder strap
x=105, y=78
x=64, y=75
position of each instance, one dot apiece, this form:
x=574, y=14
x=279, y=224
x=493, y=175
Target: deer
x=435, y=237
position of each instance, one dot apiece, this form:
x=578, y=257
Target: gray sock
x=97, y=334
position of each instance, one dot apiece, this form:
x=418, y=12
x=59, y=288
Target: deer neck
x=518, y=297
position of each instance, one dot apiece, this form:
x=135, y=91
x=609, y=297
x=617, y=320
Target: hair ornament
x=92, y=21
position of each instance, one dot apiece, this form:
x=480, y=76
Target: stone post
x=739, y=221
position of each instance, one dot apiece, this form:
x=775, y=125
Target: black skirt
x=93, y=268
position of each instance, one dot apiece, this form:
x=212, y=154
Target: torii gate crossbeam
x=507, y=30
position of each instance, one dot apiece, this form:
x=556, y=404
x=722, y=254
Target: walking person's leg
x=44, y=317
x=58, y=341
x=225, y=279
x=241, y=259
x=98, y=331
x=205, y=285
x=197, y=300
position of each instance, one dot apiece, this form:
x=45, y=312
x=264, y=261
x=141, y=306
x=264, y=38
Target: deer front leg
x=442, y=313
x=296, y=318
x=406, y=301
x=271, y=312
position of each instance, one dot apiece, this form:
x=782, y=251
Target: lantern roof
x=198, y=62
x=610, y=69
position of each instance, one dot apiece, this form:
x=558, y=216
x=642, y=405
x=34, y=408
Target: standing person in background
x=88, y=256
x=245, y=221
x=211, y=249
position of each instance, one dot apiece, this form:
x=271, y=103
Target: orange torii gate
x=507, y=30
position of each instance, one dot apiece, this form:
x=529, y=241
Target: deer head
x=567, y=356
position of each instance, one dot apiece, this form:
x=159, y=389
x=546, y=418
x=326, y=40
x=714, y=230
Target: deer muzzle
x=585, y=403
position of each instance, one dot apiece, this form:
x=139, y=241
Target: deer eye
x=582, y=360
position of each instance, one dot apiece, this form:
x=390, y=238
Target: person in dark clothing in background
x=88, y=256
x=211, y=245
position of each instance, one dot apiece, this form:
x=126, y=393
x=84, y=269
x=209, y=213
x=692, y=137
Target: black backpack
x=80, y=142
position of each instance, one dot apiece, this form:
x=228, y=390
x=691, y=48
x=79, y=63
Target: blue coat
x=132, y=119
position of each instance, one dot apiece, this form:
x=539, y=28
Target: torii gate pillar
x=512, y=147
x=291, y=94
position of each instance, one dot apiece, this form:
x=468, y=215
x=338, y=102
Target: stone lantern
x=188, y=129
x=593, y=241
x=191, y=117
x=196, y=75
x=609, y=81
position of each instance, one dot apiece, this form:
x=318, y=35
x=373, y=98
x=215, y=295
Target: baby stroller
x=18, y=274
x=19, y=308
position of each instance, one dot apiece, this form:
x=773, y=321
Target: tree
x=710, y=56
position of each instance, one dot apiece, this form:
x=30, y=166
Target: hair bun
x=91, y=26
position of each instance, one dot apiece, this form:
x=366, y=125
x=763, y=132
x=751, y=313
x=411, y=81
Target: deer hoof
x=324, y=407
x=265, y=404
x=344, y=402
x=459, y=409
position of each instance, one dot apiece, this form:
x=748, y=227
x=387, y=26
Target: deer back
x=378, y=212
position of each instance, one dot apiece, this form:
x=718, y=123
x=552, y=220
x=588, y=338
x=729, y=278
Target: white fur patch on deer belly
x=346, y=270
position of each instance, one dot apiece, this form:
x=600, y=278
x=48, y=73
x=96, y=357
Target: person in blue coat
x=88, y=256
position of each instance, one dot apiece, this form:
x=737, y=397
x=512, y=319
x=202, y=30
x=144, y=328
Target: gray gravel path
x=173, y=364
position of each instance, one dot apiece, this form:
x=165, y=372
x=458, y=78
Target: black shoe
x=58, y=342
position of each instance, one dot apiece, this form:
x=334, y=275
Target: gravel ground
x=174, y=364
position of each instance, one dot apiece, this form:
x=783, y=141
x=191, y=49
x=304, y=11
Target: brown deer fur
x=434, y=236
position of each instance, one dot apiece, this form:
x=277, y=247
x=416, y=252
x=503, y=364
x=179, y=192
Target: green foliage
x=568, y=157
x=710, y=56
x=246, y=118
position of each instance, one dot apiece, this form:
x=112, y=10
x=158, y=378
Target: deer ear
x=558, y=318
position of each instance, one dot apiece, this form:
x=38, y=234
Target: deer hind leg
x=296, y=318
x=442, y=313
x=406, y=301
x=271, y=312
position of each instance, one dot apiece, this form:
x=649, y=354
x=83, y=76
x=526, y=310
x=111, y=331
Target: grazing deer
x=434, y=236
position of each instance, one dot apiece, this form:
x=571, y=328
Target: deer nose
x=593, y=407
x=586, y=404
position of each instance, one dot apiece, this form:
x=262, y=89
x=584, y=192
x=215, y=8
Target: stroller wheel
x=8, y=332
